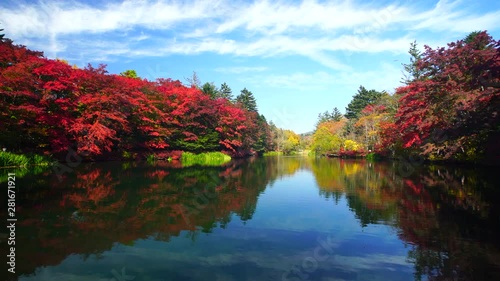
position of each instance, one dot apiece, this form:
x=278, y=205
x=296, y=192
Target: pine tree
x=210, y=89
x=225, y=92
x=247, y=100
x=336, y=115
x=411, y=71
x=361, y=100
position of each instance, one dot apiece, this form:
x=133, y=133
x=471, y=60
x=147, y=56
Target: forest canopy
x=48, y=106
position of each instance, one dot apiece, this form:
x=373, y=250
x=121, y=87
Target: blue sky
x=299, y=58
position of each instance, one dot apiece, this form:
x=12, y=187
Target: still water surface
x=273, y=218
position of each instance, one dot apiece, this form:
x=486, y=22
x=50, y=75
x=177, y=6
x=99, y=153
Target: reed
x=8, y=159
x=204, y=159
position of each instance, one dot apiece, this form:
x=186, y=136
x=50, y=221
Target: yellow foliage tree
x=292, y=141
x=351, y=145
x=326, y=138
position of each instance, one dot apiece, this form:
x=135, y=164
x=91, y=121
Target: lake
x=272, y=218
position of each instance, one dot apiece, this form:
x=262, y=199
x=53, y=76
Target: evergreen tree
x=327, y=116
x=247, y=100
x=336, y=115
x=225, y=92
x=361, y=100
x=476, y=43
x=411, y=71
x=210, y=89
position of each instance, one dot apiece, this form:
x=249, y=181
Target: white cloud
x=385, y=78
x=311, y=28
x=448, y=16
x=73, y=17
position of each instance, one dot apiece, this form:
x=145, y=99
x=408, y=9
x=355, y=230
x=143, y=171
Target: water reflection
x=447, y=217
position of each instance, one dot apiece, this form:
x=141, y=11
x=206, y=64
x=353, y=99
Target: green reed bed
x=9, y=159
x=204, y=159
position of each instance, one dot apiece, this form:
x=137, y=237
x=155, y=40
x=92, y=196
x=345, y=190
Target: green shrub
x=204, y=159
x=373, y=156
x=151, y=158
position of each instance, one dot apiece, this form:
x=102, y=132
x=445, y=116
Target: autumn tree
x=453, y=112
x=277, y=136
x=291, y=141
x=369, y=123
x=54, y=106
x=326, y=138
x=372, y=117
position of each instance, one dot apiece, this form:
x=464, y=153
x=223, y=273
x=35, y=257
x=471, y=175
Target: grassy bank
x=8, y=159
x=204, y=159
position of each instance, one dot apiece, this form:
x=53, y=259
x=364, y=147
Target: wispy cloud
x=314, y=29
x=384, y=78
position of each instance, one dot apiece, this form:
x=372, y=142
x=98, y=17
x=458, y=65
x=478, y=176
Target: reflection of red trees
x=417, y=212
x=430, y=218
x=98, y=186
x=96, y=207
x=160, y=174
x=440, y=212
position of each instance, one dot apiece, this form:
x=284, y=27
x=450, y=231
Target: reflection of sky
x=290, y=218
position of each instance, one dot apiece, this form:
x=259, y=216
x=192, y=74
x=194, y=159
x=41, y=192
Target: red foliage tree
x=49, y=106
x=453, y=110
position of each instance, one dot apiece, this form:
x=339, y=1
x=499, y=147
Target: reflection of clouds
x=282, y=233
x=52, y=274
x=372, y=262
x=265, y=254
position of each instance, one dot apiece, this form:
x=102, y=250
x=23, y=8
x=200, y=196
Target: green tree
x=247, y=100
x=261, y=144
x=325, y=141
x=225, y=92
x=323, y=117
x=130, y=73
x=411, y=70
x=336, y=115
x=210, y=89
x=480, y=43
x=361, y=100
x=327, y=116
